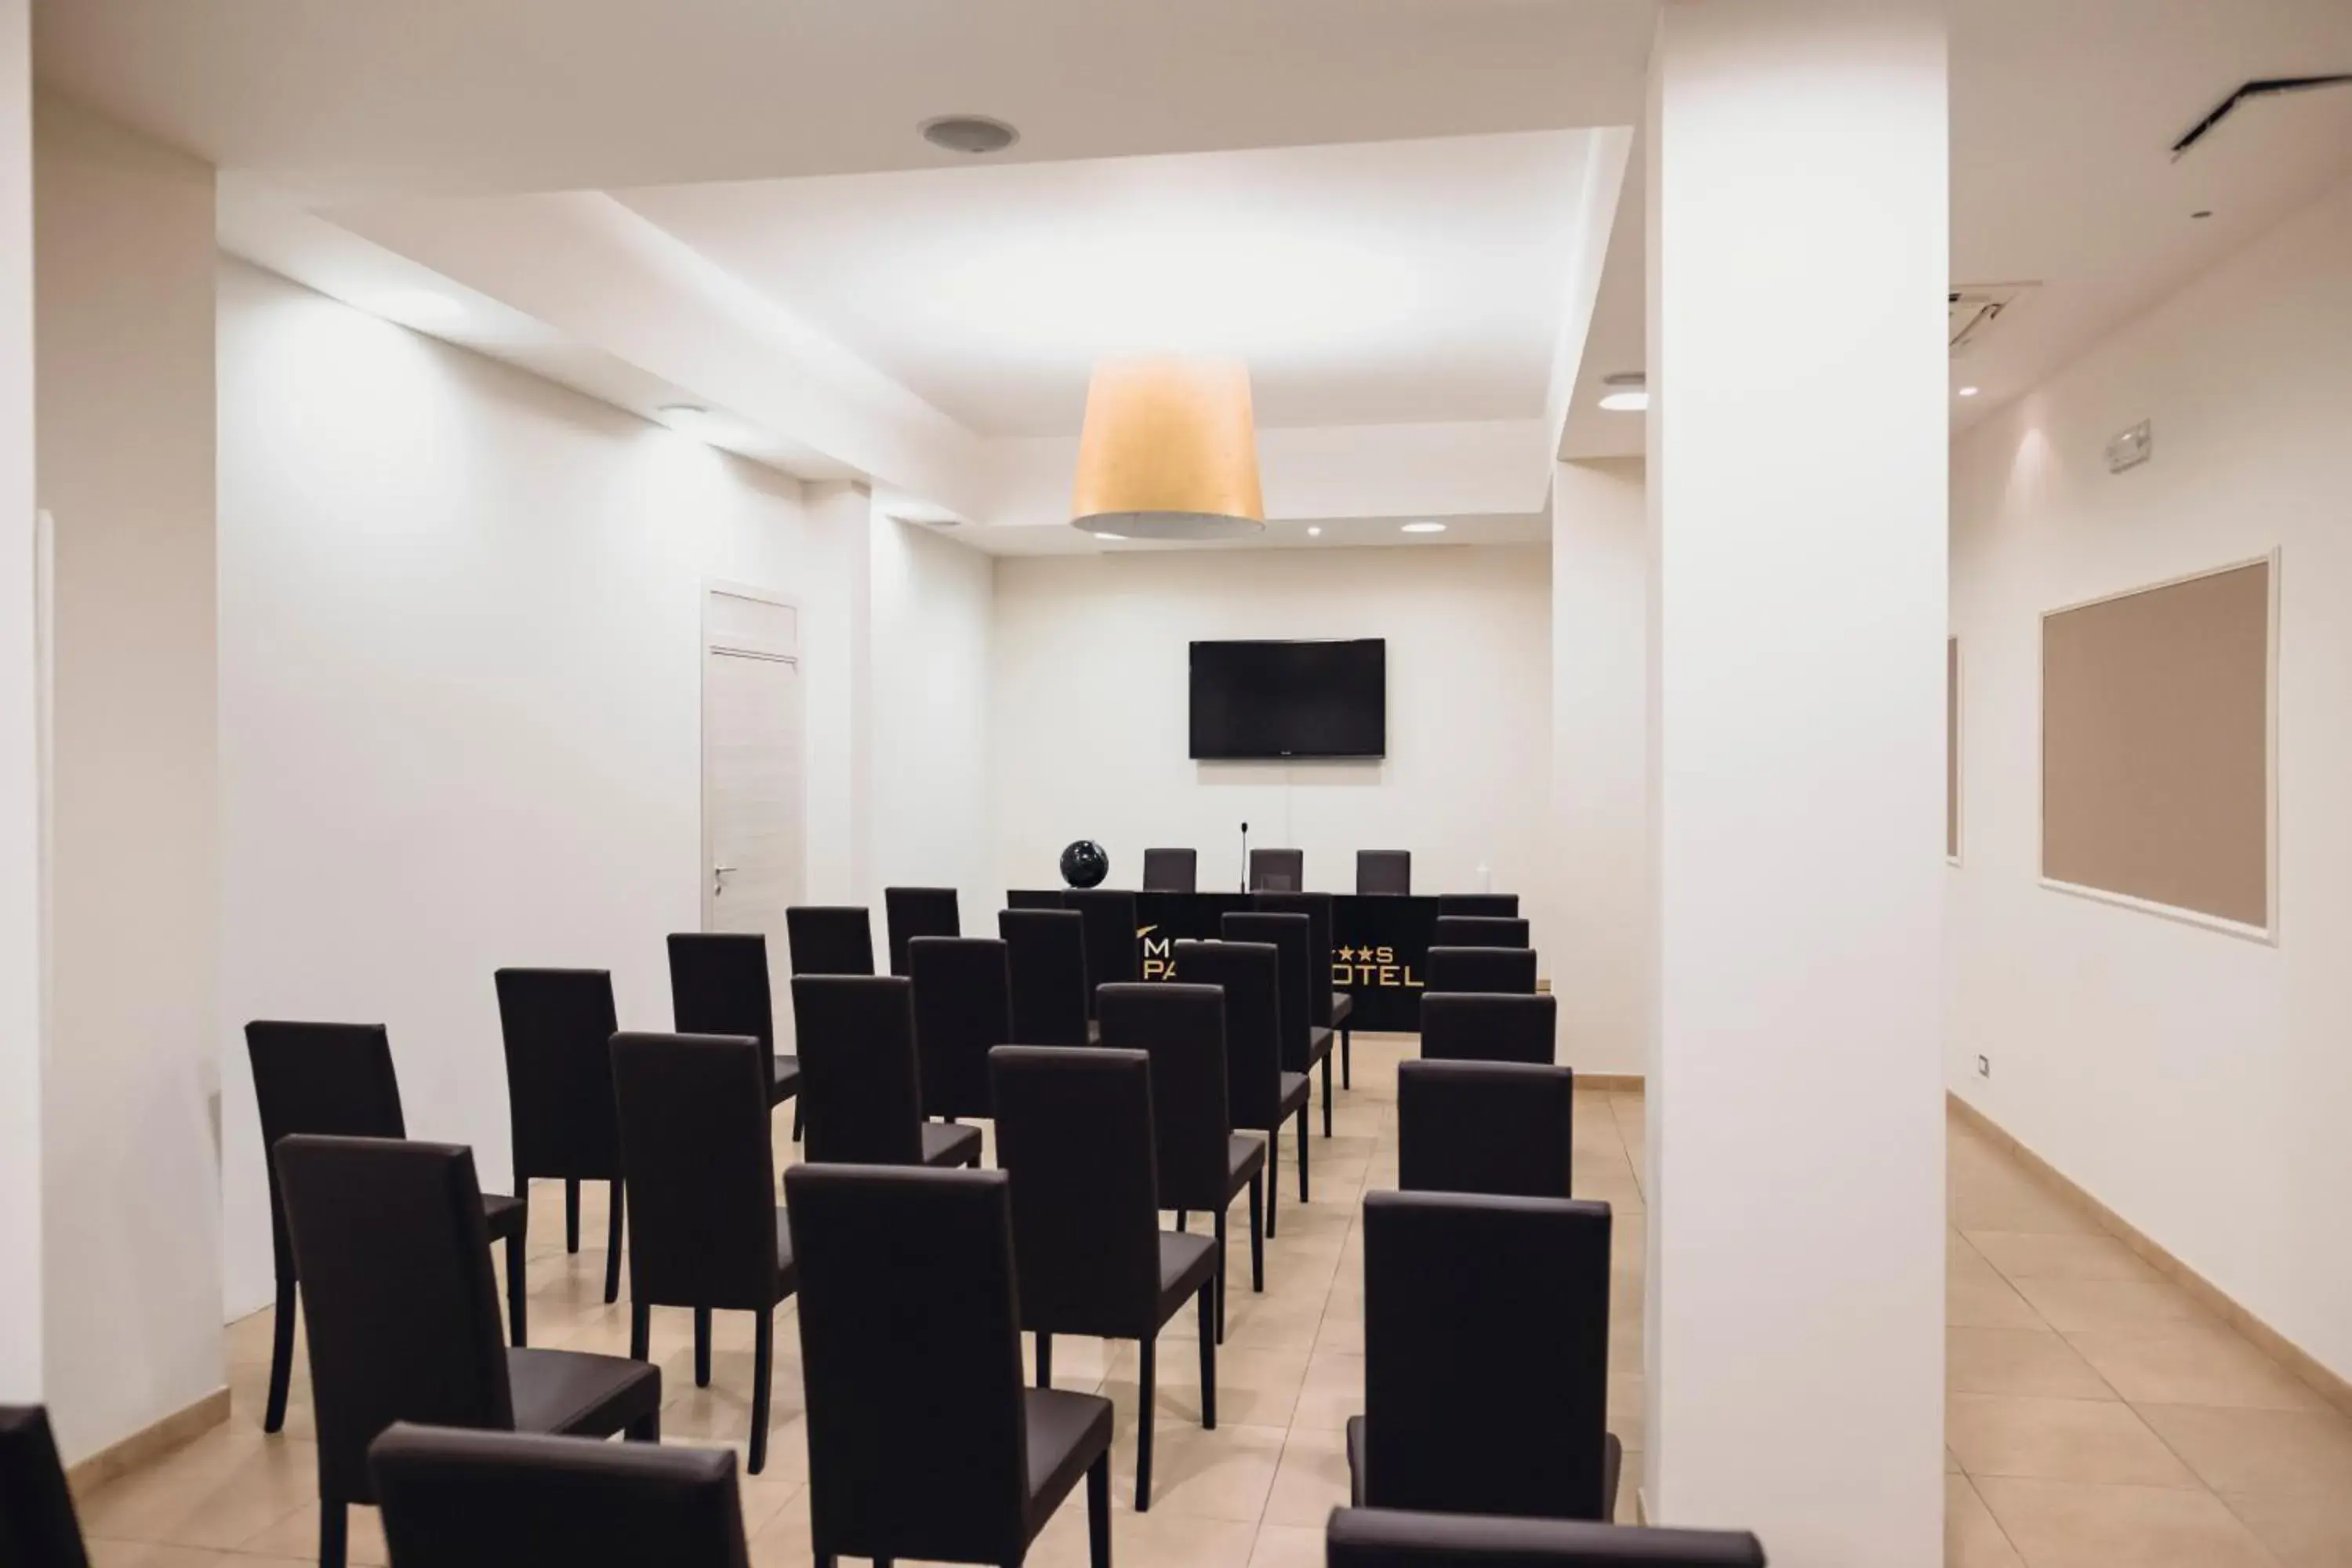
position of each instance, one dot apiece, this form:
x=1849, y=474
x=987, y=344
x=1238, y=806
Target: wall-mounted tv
x=1276, y=699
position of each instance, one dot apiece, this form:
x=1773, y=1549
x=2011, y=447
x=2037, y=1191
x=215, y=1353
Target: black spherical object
x=1084, y=864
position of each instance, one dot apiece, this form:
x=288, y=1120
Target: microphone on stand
x=1244, y=857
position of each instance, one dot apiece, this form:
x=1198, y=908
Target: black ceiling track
x=2270, y=86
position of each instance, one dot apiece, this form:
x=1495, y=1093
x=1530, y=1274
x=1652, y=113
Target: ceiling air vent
x=1975, y=307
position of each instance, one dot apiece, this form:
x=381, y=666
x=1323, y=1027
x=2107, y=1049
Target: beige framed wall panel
x=2156, y=734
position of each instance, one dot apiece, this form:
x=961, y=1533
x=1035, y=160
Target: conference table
x=1379, y=945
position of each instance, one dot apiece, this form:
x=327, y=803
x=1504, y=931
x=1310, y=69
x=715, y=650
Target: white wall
x=2195, y=1082
x=460, y=613
x=1600, y=699
x=125, y=264
x=1089, y=713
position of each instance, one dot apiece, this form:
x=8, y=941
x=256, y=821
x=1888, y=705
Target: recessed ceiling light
x=1108, y=536
x=1629, y=391
x=974, y=134
x=1314, y=532
x=415, y=306
x=1626, y=402
x=1424, y=527
x=1967, y=391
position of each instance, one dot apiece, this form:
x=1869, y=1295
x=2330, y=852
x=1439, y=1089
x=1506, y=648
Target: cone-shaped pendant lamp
x=1170, y=451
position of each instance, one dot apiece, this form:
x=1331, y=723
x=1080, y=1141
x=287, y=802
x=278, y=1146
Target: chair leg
x=1347, y=1058
x=641, y=1331
x=1259, y=1228
x=517, y=1289
x=281, y=1355
x=571, y=1214
x=1327, y=1094
x=702, y=1347
x=796, y=1118
x=614, y=1193
x=1220, y=1276
x=763, y=1355
x=1045, y=1359
x=645, y=1429
x=1209, y=1337
x=1183, y=1219
x=1273, y=1172
x=1098, y=1512
x=334, y=1534
x=1302, y=1154
x=1143, y=1423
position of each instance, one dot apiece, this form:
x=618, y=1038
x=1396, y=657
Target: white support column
x=1798, y=260
x=22, y=1021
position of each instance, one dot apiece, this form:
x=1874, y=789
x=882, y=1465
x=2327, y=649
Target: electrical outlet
x=1984, y=1067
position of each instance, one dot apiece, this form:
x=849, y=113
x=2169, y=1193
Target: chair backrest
x=1181, y=1028
x=860, y=1086
x=399, y=1304
x=699, y=1167
x=1510, y=970
x=910, y=912
x=38, y=1527
x=1505, y=905
x=1489, y=1026
x=1113, y=953
x=963, y=1005
x=1393, y=1538
x=557, y=1024
x=454, y=1499
x=1316, y=908
x=332, y=1079
x=1033, y=899
x=1250, y=974
x=910, y=1361
x=1478, y=931
x=1384, y=870
x=1292, y=936
x=830, y=939
x=1073, y=1132
x=1485, y=1127
x=719, y=985
x=1171, y=870
x=1277, y=870
x=1046, y=951
x=1485, y=1353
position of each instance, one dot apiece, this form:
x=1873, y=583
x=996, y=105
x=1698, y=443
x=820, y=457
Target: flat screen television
x=1275, y=700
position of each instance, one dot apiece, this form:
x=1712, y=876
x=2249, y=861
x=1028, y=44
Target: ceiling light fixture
x=1106, y=536
x=1168, y=451
x=975, y=135
x=1629, y=391
x=1314, y=532
x=1424, y=527
x=1967, y=391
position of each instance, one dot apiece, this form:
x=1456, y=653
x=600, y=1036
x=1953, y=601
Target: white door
x=754, y=793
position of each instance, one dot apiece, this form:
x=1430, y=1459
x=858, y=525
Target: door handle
x=718, y=875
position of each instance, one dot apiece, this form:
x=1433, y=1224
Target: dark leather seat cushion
x=1186, y=1262
x=1612, y=1463
x=502, y=1215
x=1067, y=1431
x=575, y=1392
x=786, y=1079
x=945, y=1145
x=1295, y=1089
x=1246, y=1157
x=1342, y=1004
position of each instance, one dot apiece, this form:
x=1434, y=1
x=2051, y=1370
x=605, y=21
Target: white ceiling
x=1388, y=282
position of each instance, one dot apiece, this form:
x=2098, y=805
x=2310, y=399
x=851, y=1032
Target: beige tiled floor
x=2096, y=1417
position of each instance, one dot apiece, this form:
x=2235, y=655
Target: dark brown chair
x=1203, y=1162
x=1499, y=970
x=860, y=1079
x=1505, y=905
x=1326, y=1009
x=830, y=939
x=700, y=1166
x=1486, y=1358
x=1304, y=1041
x=38, y=1527
x=1260, y=1092
x=337, y=1079
x=1171, y=870
x=1384, y=872
x=1046, y=950
x=1277, y=870
x=1114, y=952
x=1503, y=1128
x=1073, y=1132
x=719, y=985
x=557, y=1024
x=1035, y=898
x=910, y=912
x=1391, y=1537
x=401, y=1308
x=921, y=1441
x=458, y=1498
x=963, y=1007
x=1488, y=1026
x=1478, y=931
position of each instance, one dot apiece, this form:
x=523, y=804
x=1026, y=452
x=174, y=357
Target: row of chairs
x=1379, y=872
